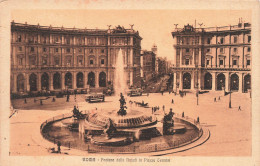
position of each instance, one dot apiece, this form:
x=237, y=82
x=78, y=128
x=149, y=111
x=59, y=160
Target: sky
x=154, y=26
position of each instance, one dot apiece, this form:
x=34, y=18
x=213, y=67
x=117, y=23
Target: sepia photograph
x=126, y=86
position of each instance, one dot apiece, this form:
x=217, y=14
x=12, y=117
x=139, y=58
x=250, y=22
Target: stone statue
x=122, y=110
x=109, y=129
x=168, y=123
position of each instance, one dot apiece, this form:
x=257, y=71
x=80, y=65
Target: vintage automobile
x=135, y=92
x=97, y=97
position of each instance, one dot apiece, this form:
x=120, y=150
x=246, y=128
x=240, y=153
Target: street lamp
x=197, y=93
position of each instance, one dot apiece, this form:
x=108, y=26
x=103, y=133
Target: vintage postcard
x=110, y=83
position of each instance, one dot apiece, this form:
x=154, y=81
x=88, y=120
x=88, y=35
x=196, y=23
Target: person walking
x=172, y=101
x=219, y=98
x=163, y=107
x=215, y=99
x=239, y=108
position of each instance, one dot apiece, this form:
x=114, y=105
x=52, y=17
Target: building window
x=68, y=50
x=44, y=49
x=178, y=40
x=207, y=62
x=91, y=62
x=44, y=60
x=248, y=49
x=44, y=40
x=80, y=62
x=32, y=60
x=222, y=40
x=32, y=49
x=188, y=40
x=56, y=50
x=56, y=39
x=187, y=61
x=68, y=60
x=248, y=62
x=57, y=60
x=20, y=61
x=80, y=50
x=249, y=39
x=197, y=40
x=19, y=38
x=187, y=50
x=221, y=62
x=235, y=39
x=234, y=62
x=221, y=50
x=68, y=40
x=102, y=51
x=90, y=50
x=208, y=41
x=235, y=50
x=102, y=61
x=208, y=50
x=20, y=49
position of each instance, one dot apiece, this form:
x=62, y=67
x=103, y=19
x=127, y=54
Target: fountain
x=124, y=126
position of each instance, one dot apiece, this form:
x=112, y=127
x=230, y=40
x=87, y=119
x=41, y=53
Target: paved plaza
x=230, y=129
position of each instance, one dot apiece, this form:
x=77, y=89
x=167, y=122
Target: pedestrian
x=68, y=97
x=219, y=98
x=25, y=101
x=41, y=102
x=215, y=99
x=163, y=107
x=152, y=110
x=53, y=99
x=239, y=108
x=198, y=120
x=59, y=144
x=34, y=100
x=182, y=115
x=147, y=94
x=172, y=101
x=185, y=93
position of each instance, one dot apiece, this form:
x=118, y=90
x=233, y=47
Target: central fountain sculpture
x=122, y=110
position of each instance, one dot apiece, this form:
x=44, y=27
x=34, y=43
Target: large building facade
x=217, y=58
x=148, y=61
x=57, y=58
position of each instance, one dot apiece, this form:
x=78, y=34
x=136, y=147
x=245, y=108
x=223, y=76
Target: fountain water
x=120, y=84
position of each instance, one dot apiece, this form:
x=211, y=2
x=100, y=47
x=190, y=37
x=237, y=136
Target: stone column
x=51, y=81
x=240, y=88
x=131, y=57
x=174, y=81
x=39, y=86
x=63, y=81
x=14, y=56
x=15, y=83
x=194, y=64
x=180, y=82
x=227, y=78
x=199, y=80
x=192, y=80
x=199, y=64
x=180, y=57
x=131, y=78
x=96, y=80
x=74, y=80
x=214, y=81
x=85, y=76
x=228, y=59
x=27, y=82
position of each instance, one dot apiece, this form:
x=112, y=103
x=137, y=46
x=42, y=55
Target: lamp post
x=197, y=93
x=230, y=99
